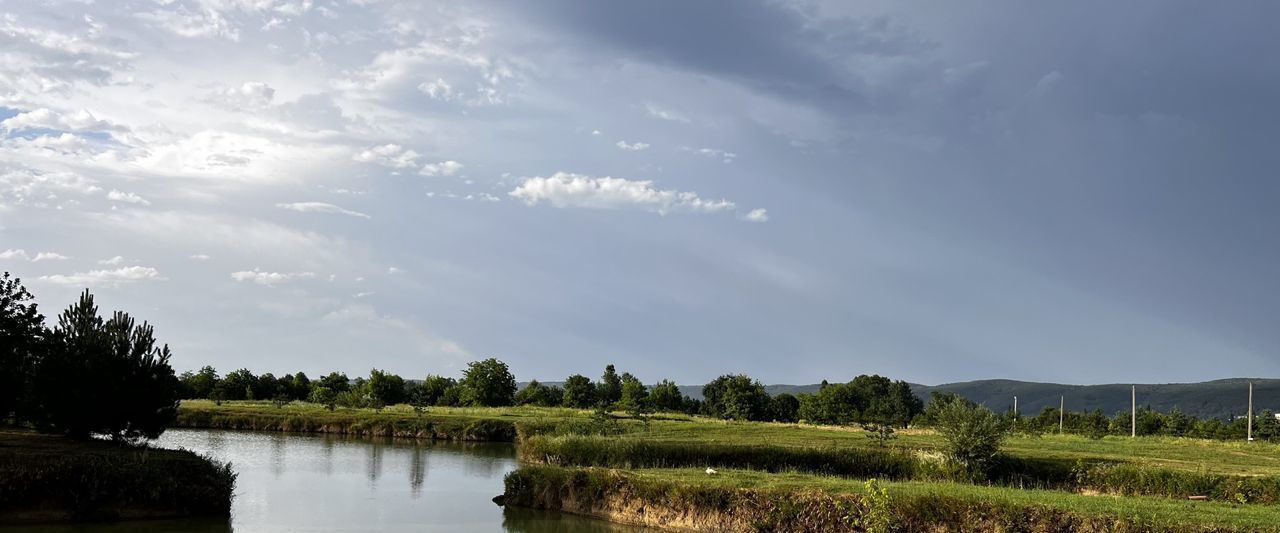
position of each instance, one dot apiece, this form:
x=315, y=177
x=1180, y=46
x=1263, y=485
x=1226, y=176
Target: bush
x=973, y=436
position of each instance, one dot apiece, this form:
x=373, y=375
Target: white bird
x=711, y=471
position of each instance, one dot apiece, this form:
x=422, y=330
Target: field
x=1140, y=482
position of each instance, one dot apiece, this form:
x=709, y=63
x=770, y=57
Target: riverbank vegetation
x=80, y=399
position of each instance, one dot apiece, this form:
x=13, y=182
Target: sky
x=1081, y=192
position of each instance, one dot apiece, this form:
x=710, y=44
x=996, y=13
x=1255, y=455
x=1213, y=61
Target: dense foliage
x=88, y=375
x=973, y=435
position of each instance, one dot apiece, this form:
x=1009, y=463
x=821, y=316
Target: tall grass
x=45, y=477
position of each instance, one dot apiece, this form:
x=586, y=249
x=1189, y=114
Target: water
x=312, y=483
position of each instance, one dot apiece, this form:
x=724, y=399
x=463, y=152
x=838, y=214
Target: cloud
x=198, y=257
x=633, y=147
x=48, y=256
x=723, y=155
x=321, y=207
x=665, y=114
x=114, y=261
x=108, y=278
x=757, y=215
x=249, y=95
x=21, y=254
x=394, y=270
x=388, y=155
x=129, y=197
x=575, y=190
x=443, y=168
x=45, y=118
x=268, y=278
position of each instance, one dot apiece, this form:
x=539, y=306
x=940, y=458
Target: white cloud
x=249, y=95
x=45, y=118
x=48, y=256
x=723, y=155
x=198, y=257
x=268, y=278
x=19, y=253
x=443, y=168
x=114, y=261
x=595, y=132
x=321, y=207
x=665, y=114
x=633, y=147
x=757, y=215
x=109, y=278
x=389, y=155
x=575, y=190
x=129, y=197
x=394, y=270
x=439, y=89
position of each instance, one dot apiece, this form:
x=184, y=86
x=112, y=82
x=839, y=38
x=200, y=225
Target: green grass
x=49, y=478
x=794, y=501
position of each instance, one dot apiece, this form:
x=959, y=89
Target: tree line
x=85, y=375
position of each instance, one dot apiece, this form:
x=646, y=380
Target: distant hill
x=1221, y=398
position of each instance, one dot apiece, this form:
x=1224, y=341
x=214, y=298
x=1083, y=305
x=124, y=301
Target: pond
x=322, y=483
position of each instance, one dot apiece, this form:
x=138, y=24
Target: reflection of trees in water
x=327, y=446
x=520, y=520
x=277, y=455
x=417, y=471
x=374, y=464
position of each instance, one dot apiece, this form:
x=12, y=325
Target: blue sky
x=799, y=190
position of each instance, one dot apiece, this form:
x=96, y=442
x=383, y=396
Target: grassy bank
x=46, y=478
x=757, y=501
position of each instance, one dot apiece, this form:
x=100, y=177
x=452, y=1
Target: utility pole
x=1062, y=405
x=1250, y=411
x=1015, y=407
x=1133, y=412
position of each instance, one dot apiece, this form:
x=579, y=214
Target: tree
x=487, y=383
x=635, y=397
x=336, y=382
x=784, y=408
x=579, y=392
x=300, y=387
x=267, y=387
x=609, y=391
x=200, y=384
x=104, y=377
x=385, y=388
x=972, y=434
x=239, y=385
x=323, y=395
x=434, y=388
x=735, y=397
x=538, y=394
x=666, y=396
x=21, y=335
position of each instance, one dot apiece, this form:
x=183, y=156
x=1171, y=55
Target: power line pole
x=1133, y=412
x=1062, y=406
x=1250, y=411
x=1015, y=407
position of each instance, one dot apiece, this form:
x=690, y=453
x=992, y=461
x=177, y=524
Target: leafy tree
x=536, y=393
x=300, y=387
x=609, y=391
x=635, y=396
x=21, y=335
x=385, y=388
x=903, y=405
x=735, y=397
x=434, y=388
x=579, y=392
x=104, y=377
x=238, y=385
x=487, y=383
x=323, y=395
x=267, y=387
x=666, y=396
x=972, y=435
x=336, y=382
x=784, y=408
x=200, y=384
x=452, y=397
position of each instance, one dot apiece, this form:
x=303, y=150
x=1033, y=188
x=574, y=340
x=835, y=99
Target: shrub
x=972, y=435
